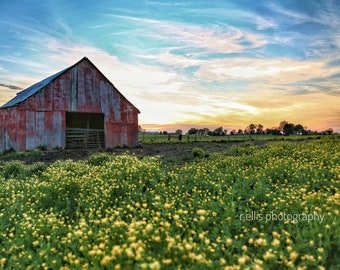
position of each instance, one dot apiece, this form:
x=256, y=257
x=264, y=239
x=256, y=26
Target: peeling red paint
x=40, y=120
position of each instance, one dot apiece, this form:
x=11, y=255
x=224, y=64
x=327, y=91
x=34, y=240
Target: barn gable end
x=77, y=107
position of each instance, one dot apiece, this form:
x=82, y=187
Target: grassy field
x=246, y=207
x=144, y=137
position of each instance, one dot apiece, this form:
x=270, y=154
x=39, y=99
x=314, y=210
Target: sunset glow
x=187, y=63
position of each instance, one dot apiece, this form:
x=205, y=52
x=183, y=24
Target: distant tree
x=273, y=131
x=218, y=132
x=240, y=132
x=179, y=131
x=192, y=131
x=233, y=132
x=203, y=131
x=282, y=125
x=250, y=129
x=268, y=131
x=327, y=132
x=298, y=129
x=277, y=131
x=259, y=129
x=288, y=129
x=164, y=132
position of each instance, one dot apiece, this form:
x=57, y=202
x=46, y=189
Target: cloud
x=334, y=62
x=292, y=16
x=11, y=87
x=219, y=38
x=170, y=4
x=261, y=21
x=312, y=30
x=271, y=71
x=323, y=12
x=168, y=58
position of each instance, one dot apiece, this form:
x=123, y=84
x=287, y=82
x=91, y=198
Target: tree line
x=284, y=128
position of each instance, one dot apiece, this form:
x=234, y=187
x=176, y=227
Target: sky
x=186, y=63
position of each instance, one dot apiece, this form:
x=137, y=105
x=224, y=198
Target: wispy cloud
x=262, y=21
x=9, y=86
x=324, y=12
x=215, y=38
x=275, y=71
x=171, y=4
x=298, y=17
x=222, y=39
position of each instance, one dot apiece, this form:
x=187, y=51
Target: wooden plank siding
x=40, y=120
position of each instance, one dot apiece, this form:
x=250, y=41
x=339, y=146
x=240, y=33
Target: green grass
x=212, y=212
x=18, y=154
x=146, y=138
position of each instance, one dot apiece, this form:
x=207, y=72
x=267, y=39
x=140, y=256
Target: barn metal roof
x=30, y=91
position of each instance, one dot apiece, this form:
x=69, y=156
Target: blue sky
x=187, y=63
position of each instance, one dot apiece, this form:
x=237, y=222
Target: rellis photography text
x=294, y=218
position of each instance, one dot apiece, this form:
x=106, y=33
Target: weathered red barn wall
x=41, y=119
x=8, y=129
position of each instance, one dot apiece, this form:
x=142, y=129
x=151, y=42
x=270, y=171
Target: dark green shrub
x=245, y=149
x=198, y=152
x=98, y=159
x=14, y=169
x=37, y=168
x=62, y=198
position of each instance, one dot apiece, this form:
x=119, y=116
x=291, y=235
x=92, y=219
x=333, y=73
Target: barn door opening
x=85, y=130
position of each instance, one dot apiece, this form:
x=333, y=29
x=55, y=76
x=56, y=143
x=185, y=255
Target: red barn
x=75, y=108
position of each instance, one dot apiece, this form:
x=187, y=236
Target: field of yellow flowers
x=274, y=207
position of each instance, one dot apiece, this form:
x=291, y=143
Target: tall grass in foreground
x=275, y=207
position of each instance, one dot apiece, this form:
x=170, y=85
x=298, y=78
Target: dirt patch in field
x=172, y=152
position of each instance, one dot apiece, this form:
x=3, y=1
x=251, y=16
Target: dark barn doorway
x=85, y=130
